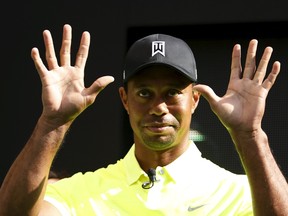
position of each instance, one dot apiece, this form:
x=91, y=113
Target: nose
x=158, y=107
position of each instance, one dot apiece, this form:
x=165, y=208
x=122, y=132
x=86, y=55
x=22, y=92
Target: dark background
x=101, y=134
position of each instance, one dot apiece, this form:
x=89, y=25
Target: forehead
x=160, y=73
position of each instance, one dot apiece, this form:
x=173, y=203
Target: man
x=163, y=173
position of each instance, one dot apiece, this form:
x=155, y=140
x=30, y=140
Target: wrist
x=54, y=123
x=249, y=141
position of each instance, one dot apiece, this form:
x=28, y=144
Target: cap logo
x=158, y=47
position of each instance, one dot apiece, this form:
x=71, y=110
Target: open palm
x=242, y=107
x=64, y=95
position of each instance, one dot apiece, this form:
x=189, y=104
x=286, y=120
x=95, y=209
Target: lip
x=159, y=130
x=158, y=127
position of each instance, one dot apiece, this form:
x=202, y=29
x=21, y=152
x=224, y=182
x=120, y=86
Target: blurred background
x=101, y=135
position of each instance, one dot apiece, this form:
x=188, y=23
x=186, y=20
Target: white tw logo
x=158, y=47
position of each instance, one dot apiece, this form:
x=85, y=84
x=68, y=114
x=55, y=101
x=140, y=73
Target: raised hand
x=64, y=95
x=242, y=108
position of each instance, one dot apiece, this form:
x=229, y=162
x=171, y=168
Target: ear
x=196, y=98
x=124, y=98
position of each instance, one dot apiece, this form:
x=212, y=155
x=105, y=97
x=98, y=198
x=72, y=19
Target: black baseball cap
x=160, y=49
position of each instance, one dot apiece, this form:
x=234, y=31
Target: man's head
x=159, y=74
x=160, y=49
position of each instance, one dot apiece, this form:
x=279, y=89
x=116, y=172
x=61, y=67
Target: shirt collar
x=180, y=168
x=132, y=167
x=189, y=159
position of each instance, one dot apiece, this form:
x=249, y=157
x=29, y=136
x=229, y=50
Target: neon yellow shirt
x=190, y=185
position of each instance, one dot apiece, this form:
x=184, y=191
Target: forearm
x=268, y=185
x=23, y=188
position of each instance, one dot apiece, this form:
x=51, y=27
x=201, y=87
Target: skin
x=160, y=112
x=160, y=127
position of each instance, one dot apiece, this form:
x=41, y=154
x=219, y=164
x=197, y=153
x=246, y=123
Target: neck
x=148, y=158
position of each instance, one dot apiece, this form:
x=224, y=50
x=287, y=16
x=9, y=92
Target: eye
x=144, y=93
x=173, y=92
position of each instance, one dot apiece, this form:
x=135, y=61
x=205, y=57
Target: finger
x=236, y=68
x=82, y=53
x=96, y=88
x=65, y=51
x=207, y=93
x=50, y=52
x=100, y=84
x=40, y=67
x=250, y=64
x=270, y=80
x=262, y=67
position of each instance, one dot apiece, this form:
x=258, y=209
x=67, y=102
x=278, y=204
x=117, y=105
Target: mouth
x=159, y=128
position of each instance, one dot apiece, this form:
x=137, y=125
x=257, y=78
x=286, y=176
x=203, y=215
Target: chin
x=159, y=144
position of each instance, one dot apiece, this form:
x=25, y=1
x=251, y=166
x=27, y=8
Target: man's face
x=160, y=103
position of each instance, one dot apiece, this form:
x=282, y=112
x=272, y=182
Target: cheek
x=186, y=105
x=183, y=113
x=135, y=111
x=135, y=119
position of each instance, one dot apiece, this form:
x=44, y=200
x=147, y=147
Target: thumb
x=100, y=84
x=207, y=93
x=97, y=86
